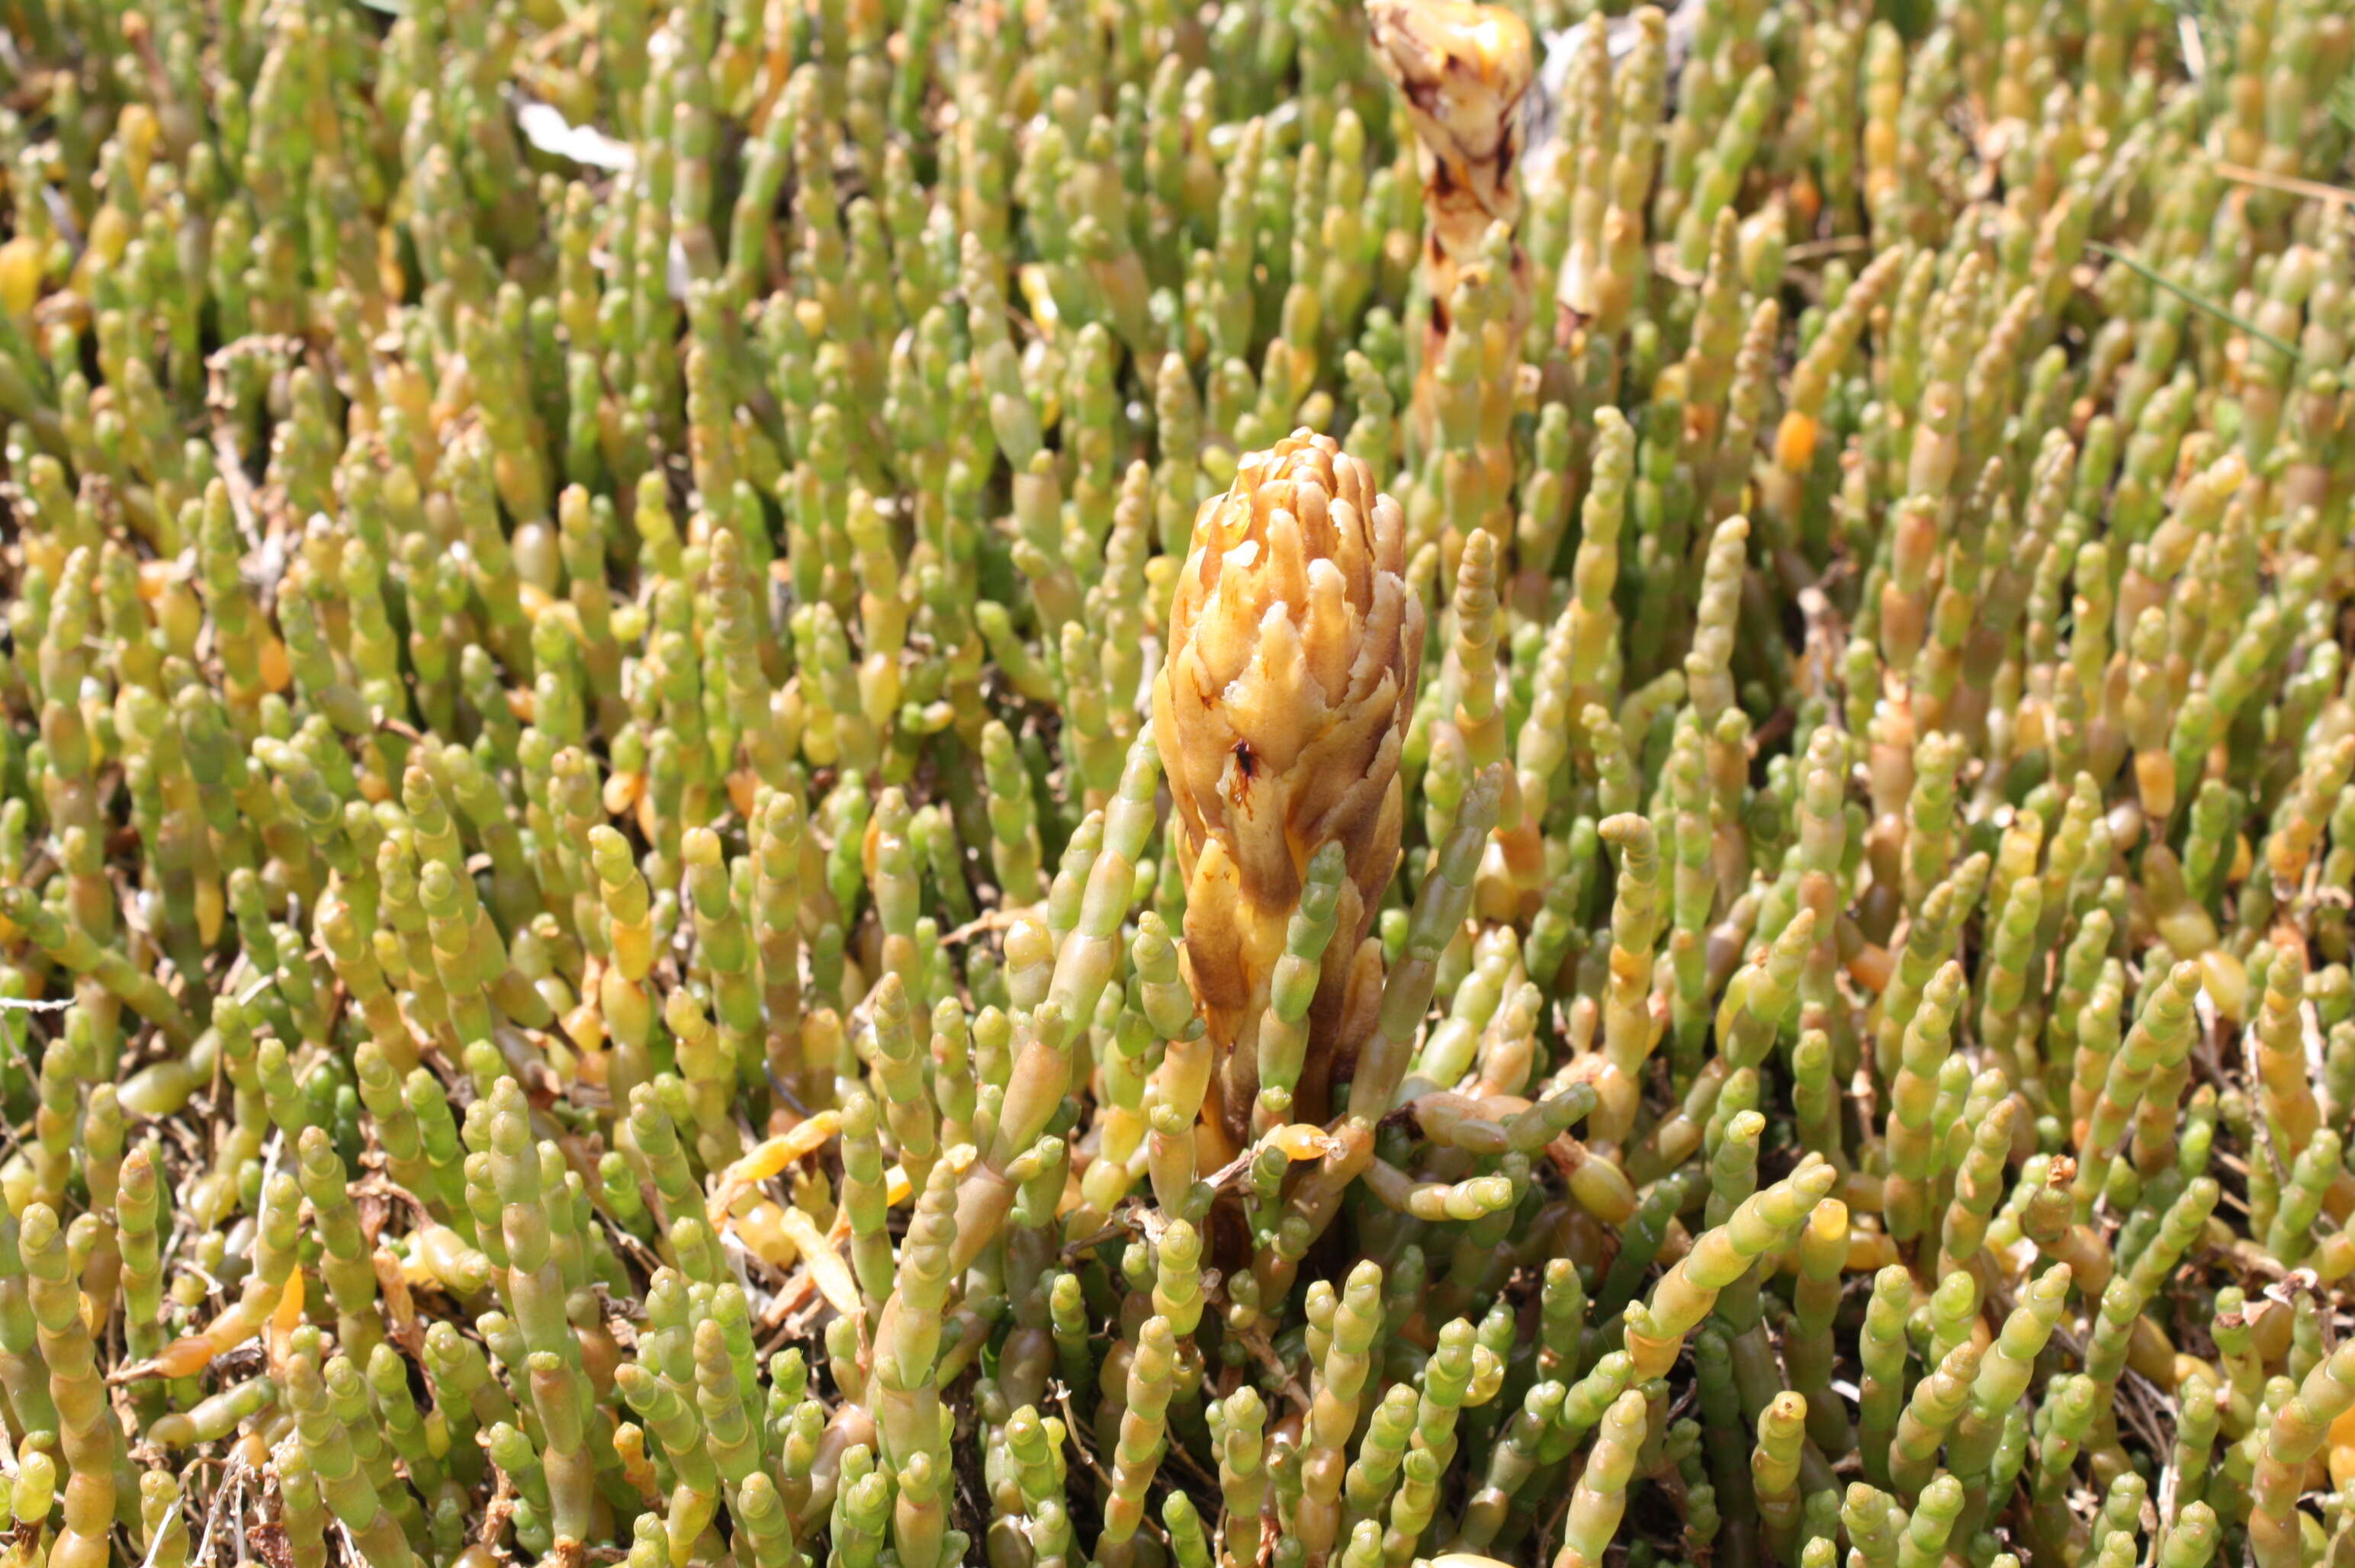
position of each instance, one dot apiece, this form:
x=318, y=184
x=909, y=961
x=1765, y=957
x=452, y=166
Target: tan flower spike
x=1293, y=648
x=1463, y=69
